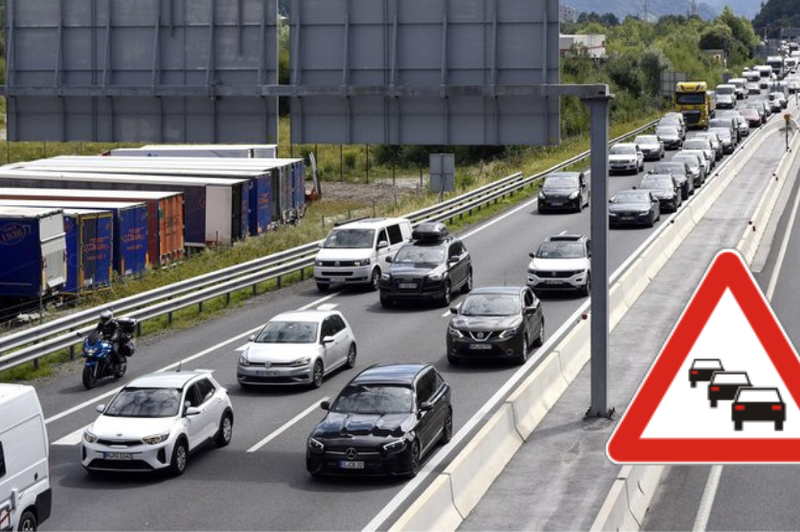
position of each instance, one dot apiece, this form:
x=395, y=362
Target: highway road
x=259, y=481
x=746, y=497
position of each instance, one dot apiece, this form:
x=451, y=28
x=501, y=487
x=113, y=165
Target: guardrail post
x=279, y=281
x=35, y=364
x=227, y=299
x=139, y=328
x=72, y=352
x=255, y=290
x=200, y=308
x=169, y=318
x=302, y=274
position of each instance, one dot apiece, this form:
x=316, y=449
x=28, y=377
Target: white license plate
x=117, y=456
x=407, y=285
x=556, y=203
x=337, y=279
x=480, y=346
x=346, y=464
x=626, y=218
x=263, y=373
x=551, y=281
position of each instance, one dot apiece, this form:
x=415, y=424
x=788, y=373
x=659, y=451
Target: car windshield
x=350, y=238
x=418, y=254
x=288, y=332
x=491, y=305
x=719, y=122
x=631, y=198
x=374, y=399
x=145, y=402
x=691, y=98
x=623, y=150
x=657, y=181
x=667, y=131
x=696, y=144
x=646, y=139
x=560, y=181
x=730, y=89
x=691, y=160
x=560, y=250
x=670, y=168
x=722, y=132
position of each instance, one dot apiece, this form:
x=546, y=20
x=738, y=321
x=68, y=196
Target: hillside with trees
x=777, y=14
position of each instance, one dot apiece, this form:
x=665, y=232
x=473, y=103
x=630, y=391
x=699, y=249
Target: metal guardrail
x=33, y=343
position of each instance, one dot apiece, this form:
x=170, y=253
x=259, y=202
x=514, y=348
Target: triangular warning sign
x=724, y=388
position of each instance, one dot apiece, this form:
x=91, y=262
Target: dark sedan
x=496, y=323
x=758, y=404
x=665, y=188
x=383, y=422
x=634, y=207
x=564, y=191
x=681, y=172
x=670, y=136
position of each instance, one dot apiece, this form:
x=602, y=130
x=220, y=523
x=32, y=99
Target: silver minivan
x=355, y=253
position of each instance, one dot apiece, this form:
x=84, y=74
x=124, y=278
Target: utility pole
x=694, y=8
x=646, y=15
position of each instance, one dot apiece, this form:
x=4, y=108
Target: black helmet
x=106, y=316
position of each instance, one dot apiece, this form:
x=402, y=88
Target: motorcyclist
x=109, y=329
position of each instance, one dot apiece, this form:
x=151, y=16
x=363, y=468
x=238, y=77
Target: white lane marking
x=707, y=501
x=73, y=438
x=286, y=426
x=328, y=306
x=109, y=393
x=448, y=313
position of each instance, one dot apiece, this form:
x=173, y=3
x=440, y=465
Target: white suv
x=356, y=252
x=562, y=262
x=155, y=421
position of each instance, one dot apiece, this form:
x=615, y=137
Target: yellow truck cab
x=695, y=102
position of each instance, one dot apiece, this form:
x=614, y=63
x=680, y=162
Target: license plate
x=337, y=279
x=346, y=464
x=480, y=346
x=551, y=281
x=263, y=373
x=557, y=203
x=117, y=456
x=626, y=218
x=407, y=285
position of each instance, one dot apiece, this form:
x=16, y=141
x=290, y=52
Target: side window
x=2, y=461
x=424, y=388
x=205, y=389
x=454, y=250
x=325, y=328
x=381, y=238
x=395, y=235
x=528, y=298
x=437, y=381
x=337, y=324
x=192, y=396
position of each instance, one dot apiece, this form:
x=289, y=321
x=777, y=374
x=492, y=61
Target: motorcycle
x=97, y=351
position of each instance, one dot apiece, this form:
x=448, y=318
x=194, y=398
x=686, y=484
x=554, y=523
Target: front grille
x=123, y=443
x=362, y=455
x=272, y=364
x=481, y=336
x=272, y=380
x=399, y=281
x=554, y=275
x=127, y=465
x=337, y=264
x=338, y=274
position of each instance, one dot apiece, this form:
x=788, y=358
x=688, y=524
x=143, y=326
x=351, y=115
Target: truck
x=233, y=151
x=775, y=62
x=695, y=103
x=33, y=248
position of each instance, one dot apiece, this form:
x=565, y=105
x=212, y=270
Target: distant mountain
x=743, y=8
x=622, y=8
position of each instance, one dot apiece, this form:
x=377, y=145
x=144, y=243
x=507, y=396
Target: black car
x=634, y=207
x=383, y=422
x=758, y=404
x=432, y=266
x=665, y=188
x=703, y=370
x=696, y=167
x=564, y=191
x=670, y=136
x=725, y=385
x=681, y=172
x=496, y=323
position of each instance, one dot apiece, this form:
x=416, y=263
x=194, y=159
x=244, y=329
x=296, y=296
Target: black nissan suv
x=433, y=266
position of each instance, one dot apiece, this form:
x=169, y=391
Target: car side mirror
x=532, y=255
x=320, y=244
x=383, y=244
x=453, y=260
x=453, y=310
x=530, y=310
x=325, y=405
x=100, y=408
x=251, y=338
x=327, y=340
x=426, y=406
x=389, y=260
x=192, y=411
x=634, y=187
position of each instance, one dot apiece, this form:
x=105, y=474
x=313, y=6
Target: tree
x=717, y=37
x=653, y=64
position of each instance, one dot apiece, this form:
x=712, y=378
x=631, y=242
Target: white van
x=25, y=495
x=354, y=253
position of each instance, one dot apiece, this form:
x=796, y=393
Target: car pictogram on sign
x=758, y=404
x=703, y=369
x=725, y=384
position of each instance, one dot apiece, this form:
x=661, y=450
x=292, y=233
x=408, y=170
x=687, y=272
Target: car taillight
x=738, y=407
x=777, y=407
x=715, y=388
x=694, y=372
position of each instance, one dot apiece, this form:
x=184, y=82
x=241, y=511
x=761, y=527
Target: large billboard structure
x=141, y=70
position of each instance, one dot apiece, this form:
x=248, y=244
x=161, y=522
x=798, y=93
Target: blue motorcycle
x=97, y=352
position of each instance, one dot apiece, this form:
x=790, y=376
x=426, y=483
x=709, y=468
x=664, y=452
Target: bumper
x=273, y=376
x=144, y=457
x=654, y=155
x=342, y=275
x=672, y=144
x=669, y=204
x=562, y=203
x=370, y=463
x=424, y=291
x=575, y=282
x=464, y=348
x=623, y=167
x=629, y=219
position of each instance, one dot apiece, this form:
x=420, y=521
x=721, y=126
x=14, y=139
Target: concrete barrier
x=629, y=497
x=537, y=394
x=684, y=223
x=433, y=510
x=483, y=459
x=617, y=307
x=573, y=351
x=615, y=513
x=641, y=484
x=654, y=259
x=634, y=281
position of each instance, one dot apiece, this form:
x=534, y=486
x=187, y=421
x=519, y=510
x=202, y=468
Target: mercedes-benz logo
x=480, y=336
x=351, y=453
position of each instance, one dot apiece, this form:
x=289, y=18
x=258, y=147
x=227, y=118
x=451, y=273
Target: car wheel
x=713, y=404
x=467, y=288
x=351, y=356
x=540, y=336
x=180, y=455
x=413, y=460
x=446, y=295
x=523, y=356
x=27, y=521
x=652, y=221
x=387, y=302
x=375, y=281
x=587, y=288
x=541, y=209
x=447, y=430
x=779, y=425
x=453, y=360
x=89, y=377
x=317, y=375
x=225, y=432
x=737, y=425
x=323, y=287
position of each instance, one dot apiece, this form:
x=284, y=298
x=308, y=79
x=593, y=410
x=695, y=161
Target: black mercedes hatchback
x=382, y=423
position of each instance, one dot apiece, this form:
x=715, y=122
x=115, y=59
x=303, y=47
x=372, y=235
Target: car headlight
x=436, y=276
x=508, y=333
x=156, y=439
x=88, y=437
x=455, y=333
x=315, y=445
x=574, y=195
x=317, y=263
x=386, y=277
x=303, y=361
x=364, y=262
x=644, y=213
x=243, y=360
x=542, y=196
x=612, y=214
x=395, y=446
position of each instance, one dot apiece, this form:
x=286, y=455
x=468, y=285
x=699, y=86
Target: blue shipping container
x=260, y=205
x=90, y=254
x=130, y=238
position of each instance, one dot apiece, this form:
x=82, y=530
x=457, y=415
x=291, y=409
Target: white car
x=155, y=421
x=298, y=347
x=625, y=157
x=562, y=262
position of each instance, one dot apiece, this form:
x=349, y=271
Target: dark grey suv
x=564, y=191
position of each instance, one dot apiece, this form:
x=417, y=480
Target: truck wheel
x=779, y=425
x=323, y=287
